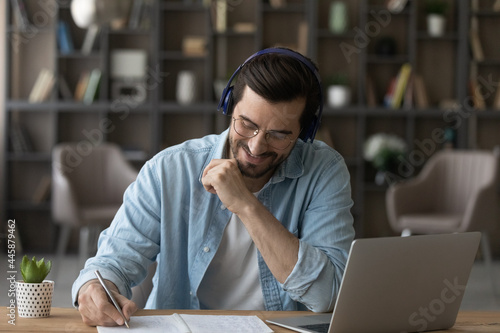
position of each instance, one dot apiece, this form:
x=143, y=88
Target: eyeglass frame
x=268, y=133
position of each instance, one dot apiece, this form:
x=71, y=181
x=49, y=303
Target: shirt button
x=222, y=207
x=206, y=249
x=191, y=293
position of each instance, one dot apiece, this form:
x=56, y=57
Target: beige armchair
x=87, y=190
x=456, y=191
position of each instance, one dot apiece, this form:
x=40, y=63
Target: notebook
x=398, y=284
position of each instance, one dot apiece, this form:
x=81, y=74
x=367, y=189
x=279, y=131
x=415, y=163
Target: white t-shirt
x=231, y=281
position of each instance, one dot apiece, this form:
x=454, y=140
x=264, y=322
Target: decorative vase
x=338, y=18
x=34, y=300
x=436, y=25
x=219, y=85
x=339, y=96
x=186, y=87
x=380, y=178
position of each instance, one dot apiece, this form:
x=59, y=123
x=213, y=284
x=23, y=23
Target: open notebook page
x=194, y=323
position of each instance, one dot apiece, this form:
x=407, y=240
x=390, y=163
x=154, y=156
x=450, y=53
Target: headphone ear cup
x=227, y=106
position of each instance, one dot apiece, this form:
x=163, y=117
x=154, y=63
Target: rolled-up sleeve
x=131, y=243
x=325, y=236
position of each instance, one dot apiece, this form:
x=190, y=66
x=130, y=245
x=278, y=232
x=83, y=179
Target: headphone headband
x=226, y=98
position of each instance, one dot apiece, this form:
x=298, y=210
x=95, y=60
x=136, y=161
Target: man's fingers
x=128, y=307
x=107, y=309
x=97, y=310
x=207, y=179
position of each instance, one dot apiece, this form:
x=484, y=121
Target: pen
x=115, y=303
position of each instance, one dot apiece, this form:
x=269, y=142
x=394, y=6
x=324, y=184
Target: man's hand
x=223, y=177
x=97, y=310
x=278, y=246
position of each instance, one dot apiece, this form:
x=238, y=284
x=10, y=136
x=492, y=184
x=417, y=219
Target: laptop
x=397, y=284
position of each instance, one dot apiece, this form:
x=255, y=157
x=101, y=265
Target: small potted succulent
x=34, y=293
x=436, y=20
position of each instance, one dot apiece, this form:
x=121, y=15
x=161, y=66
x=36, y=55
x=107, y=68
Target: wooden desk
x=69, y=320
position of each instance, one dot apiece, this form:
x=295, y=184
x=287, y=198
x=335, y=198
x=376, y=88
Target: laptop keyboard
x=320, y=328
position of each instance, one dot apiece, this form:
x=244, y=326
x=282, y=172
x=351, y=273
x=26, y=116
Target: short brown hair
x=277, y=78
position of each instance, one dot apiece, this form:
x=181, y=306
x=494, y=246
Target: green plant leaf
x=33, y=271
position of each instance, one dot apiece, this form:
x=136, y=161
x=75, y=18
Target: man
x=253, y=218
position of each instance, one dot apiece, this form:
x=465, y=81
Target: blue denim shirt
x=167, y=216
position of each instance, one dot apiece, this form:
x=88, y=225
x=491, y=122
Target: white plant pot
x=339, y=96
x=436, y=25
x=219, y=86
x=186, y=87
x=34, y=300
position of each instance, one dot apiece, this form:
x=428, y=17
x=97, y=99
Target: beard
x=251, y=170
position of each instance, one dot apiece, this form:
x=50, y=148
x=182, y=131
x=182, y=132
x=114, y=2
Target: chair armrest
x=482, y=211
x=407, y=197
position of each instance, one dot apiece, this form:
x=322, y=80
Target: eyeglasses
x=274, y=139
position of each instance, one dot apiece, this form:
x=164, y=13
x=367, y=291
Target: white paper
x=196, y=324
x=149, y=324
x=219, y=324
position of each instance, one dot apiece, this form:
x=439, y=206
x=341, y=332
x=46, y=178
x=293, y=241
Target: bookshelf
x=210, y=42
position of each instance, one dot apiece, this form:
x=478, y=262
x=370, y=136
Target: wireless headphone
x=226, y=101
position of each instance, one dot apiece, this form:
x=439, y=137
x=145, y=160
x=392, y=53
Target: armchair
x=87, y=190
x=456, y=191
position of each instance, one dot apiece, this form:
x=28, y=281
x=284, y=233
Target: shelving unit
x=143, y=129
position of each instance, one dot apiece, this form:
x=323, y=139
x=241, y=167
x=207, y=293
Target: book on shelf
x=302, y=37
x=90, y=38
x=92, y=86
x=64, y=89
x=219, y=14
x=43, y=86
x=135, y=14
x=20, y=14
x=64, y=39
x=420, y=92
x=81, y=86
x=194, y=46
x=145, y=22
x=244, y=27
x=408, y=101
x=371, y=99
x=496, y=101
x=42, y=191
x=20, y=140
x=400, y=85
x=475, y=42
x=390, y=92
x=477, y=96
x=397, y=87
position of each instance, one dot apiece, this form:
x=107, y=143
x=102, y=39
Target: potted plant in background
x=436, y=20
x=34, y=293
x=338, y=19
x=338, y=91
x=384, y=152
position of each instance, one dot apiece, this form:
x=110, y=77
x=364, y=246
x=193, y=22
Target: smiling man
x=255, y=218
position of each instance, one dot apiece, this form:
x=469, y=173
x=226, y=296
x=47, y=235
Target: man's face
x=255, y=157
